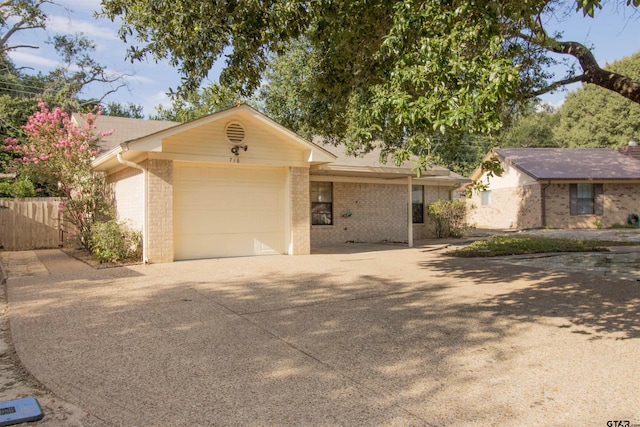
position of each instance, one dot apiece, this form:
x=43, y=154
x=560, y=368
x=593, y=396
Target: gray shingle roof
x=371, y=162
x=572, y=163
x=125, y=129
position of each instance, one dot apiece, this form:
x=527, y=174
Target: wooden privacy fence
x=31, y=223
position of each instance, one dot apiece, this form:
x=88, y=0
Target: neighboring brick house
x=558, y=188
x=236, y=183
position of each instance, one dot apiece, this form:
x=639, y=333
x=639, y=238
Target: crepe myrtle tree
x=56, y=153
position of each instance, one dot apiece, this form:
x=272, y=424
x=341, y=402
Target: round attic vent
x=235, y=132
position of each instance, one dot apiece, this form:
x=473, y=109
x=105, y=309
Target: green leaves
x=444, y=75
x=450, y=218
x=402, y=75
x=588, y=7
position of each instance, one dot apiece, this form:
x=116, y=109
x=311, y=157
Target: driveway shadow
x=599, y=306
x=395, y=337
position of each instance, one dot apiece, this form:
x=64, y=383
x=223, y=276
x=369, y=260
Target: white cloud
x=160, y=98
x=89, y=5
x=22, y=58
x=62, y=24
x=139, y=79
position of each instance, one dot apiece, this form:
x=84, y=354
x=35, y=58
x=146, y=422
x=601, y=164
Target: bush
x=450, y=218
x=114, y=241
x=18, y=188
x=5, y=189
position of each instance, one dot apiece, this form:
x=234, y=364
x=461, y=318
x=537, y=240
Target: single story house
x=558, y=188
x=236, y=183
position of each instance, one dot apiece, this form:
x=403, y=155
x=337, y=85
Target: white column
x=409, y=213
x=288, y=235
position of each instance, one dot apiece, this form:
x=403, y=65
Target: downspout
x=409, y=213
x=124, y=162
x=543, y=203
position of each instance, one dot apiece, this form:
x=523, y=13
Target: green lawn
x=500, y=245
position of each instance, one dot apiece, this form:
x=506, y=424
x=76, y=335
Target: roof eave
x=103, y=162
x=327, y=169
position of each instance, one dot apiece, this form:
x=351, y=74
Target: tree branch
x=31, y=17
x=99, y=100
x=18, y=46
x=592, y=73
x=556, y=85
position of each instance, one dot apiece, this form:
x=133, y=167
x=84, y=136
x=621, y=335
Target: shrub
x=18, y=188
x=5, y=189
x=450, y=218
x=113, y=241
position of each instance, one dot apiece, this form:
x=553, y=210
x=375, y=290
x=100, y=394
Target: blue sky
x=613, y=34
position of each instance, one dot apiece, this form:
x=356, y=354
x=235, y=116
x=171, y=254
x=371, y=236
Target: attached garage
x=228, y=210
x=233, y=183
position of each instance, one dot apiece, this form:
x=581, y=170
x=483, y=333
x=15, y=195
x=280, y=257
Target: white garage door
x=222, y=211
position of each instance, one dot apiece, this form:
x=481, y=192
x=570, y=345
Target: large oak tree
x=401, y=73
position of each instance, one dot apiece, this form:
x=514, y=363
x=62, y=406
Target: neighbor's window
x=586, y=199
x=417, y=203
x=486, y=198
x=321, y=203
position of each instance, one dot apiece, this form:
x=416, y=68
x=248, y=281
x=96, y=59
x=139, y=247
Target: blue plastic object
x=19, y=411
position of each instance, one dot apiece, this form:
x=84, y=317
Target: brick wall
x=160, y=205
x=300, y=213
x=512, y=207
x=522, y=206
x=378, y=213
x=619, y=201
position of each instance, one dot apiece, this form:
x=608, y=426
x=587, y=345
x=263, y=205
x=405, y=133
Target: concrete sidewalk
x=391, y=336
x=21, y=263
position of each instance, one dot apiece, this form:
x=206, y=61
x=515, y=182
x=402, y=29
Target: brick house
x=558, y=188
x=236, y=183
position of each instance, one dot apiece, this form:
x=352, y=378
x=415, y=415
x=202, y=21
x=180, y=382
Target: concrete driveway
x=384, y=336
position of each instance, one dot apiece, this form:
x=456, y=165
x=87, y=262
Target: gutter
x=124, y=162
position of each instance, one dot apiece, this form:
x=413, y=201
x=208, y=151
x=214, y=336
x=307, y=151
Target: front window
x=417, y=203
x=586, y=199
x=321, y=203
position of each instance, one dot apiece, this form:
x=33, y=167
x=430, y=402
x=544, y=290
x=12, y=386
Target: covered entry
x=228, y=210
